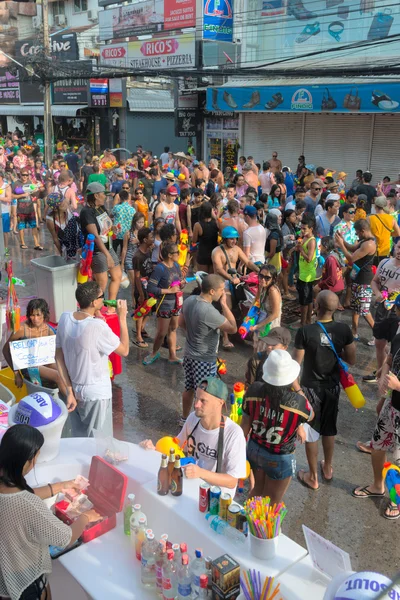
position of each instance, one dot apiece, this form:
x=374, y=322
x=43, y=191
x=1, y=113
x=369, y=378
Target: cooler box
x=56, y=283
x=113, y=323
x=106, y=492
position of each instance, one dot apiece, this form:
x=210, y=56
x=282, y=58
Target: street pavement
x=146, y=404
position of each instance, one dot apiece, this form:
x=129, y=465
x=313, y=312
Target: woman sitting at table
x=35, y=326
x=27, y=526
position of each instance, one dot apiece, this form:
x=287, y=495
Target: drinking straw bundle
x=250, y=583
x=264, y=520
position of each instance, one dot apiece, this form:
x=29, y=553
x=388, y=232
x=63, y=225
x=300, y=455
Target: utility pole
x=48, y=121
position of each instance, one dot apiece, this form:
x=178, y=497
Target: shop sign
x=338, y=98
x=63, y=46
x=186, y=122
x=149, y=16
x=218, y=20
x=70, y=91
x=98, y=93
x=114, y=54
x=9, y=87
x=162, y=53
x=115, y=93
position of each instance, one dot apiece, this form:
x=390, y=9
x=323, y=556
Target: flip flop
x=323, y=474
x=303, y=482
x=148, y=360
x=23, y=246
x=365, y=493
x=392, y=507
x=228, y=346
x=360, y=449
x=38, y=248
x=140, y=344
x=177, y=361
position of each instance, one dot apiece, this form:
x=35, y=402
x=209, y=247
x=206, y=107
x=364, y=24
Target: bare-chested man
x=275, y=163
x=225, y=258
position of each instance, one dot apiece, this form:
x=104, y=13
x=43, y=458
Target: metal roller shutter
x=338, y=142
x=385, y=154
x=263, y=133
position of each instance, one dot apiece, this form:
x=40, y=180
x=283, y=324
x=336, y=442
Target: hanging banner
x=339, y=98
x=218, y=20
x=162, y=53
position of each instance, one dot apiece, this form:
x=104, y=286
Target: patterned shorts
x=196, y=370
x=386, y=434
x=361, y=296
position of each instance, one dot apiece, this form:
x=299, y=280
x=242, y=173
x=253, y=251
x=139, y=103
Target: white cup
x=264, y=549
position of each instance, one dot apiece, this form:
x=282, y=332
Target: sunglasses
x=315, y=188
x=100, y=297
x=266, y=277
x=351, y=212
x=176, y=252
x=125, y=188
x=139, y=193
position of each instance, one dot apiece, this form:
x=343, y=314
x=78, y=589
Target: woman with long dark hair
x=273, y=410
x=63, y=226
x=270, y=300
x=205, y=232
x=27, y=526
x=274, y=243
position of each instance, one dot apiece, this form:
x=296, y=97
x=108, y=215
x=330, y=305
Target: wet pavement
x=146, y=404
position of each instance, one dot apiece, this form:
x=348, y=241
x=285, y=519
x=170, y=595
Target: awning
x=37, y=110
x=143, y=100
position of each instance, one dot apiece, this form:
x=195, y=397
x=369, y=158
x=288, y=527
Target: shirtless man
x=276, y=165
x=225, y=258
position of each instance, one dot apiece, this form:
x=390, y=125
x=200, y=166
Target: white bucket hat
x=280, y=369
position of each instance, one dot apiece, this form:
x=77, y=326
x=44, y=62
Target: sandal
x=323, y=476
x=228, y=346
x=364, y=448
x=38, y=248
x=23, y=246
x=365, y=493
x=149, y=359
x=391, y=508
x=356, y=337
x=140, y=344
x=177, y=361
x=304, y=482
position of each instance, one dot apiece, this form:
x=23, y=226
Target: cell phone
x=56, y=551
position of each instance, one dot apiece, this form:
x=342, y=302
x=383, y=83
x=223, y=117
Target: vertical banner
x=218, y=20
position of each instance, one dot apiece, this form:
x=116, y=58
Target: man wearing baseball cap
x=168, y=210
x=215, y=441
x=117, y=184
x=278, y=338
x=254, y=236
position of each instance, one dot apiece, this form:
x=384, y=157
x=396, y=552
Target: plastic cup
x=264, y=549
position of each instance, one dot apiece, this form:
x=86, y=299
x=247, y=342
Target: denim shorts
x=276, y=466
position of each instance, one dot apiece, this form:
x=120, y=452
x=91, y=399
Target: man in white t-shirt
x=254, y=236
x=83, y=345
x=217, y=443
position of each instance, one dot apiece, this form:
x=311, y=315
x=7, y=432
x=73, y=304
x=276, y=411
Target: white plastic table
x=302, y=581
x=106, y=567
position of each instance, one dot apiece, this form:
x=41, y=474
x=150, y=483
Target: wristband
x=51, y=489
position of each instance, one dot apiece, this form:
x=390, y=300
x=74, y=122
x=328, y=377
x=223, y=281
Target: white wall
x=75, y=19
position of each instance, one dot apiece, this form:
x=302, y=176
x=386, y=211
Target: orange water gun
x=183, y=247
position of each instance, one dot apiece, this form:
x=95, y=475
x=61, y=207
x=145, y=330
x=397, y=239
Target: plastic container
x=7, y=396
x=33, y=388
x=56, y=282
x=7, y=380
x=263, y=549
x=51, y=432
x=106, y=491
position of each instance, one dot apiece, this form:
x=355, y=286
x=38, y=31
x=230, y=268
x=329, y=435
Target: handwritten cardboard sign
x=33, y=352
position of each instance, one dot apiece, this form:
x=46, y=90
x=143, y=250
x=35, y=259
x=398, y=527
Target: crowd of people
x=308, y=237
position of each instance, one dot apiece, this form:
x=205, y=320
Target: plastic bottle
x=149, y=551
x=198, y=567
x=128, y=512
x=140, y=536
x=223, y=528
x=110, y=303
x=208, y=560
x=134, y=521
x=169, y=578
x=203, y=593
x=184, y=579
x=161, y=561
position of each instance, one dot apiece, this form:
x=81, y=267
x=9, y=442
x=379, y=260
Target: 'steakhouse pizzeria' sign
x=165, y=53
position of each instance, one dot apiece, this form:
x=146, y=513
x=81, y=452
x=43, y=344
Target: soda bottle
x=161, y=561
x=171, y=463
x=163, y=477
x=134, y=521
x=183, y=548
x=128, y=511
x=177, y=479
x=140, y=536
x=149, y=550
x=198, y=567
x=110, y=303
x=169, y=579
x=184, y=579
x=203, y=587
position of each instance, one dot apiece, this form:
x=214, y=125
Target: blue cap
x=229, y=233
x=250, y=211
x=397, y=301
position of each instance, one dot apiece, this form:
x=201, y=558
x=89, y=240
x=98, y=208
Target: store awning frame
x=37, y=110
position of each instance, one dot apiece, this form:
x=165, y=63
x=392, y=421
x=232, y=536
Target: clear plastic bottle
x=140, y=536
x=177, y=556
x=161, y=561
x=149, y=551
x=208, y=560
x=223, y=528
x=134, y=521
x=184, y=579
x=198, y=567
x=128, y=511
x=169, y=578
x=203, y=593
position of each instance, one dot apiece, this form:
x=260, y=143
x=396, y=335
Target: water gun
x=250, y=319
x=183, y=247
x=236, y=401
x=221, y=366
x=351, y=389
x=240, y=486
x=16, y=281
x=144, y=309
x=30, y=188
x=389, y=300
x=391, y=475
x=193, y=247
x=86, y=260
x=235, y=168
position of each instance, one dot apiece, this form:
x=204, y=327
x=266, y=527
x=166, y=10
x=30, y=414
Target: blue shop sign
x=341, y=98
x=218, y=20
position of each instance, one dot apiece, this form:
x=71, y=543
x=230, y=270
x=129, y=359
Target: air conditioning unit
x=92, y=15
x=36, y=22
x=60, y=20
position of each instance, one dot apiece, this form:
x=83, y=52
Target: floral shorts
x=386, y=434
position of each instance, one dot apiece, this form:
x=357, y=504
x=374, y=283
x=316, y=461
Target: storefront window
x=222, y=139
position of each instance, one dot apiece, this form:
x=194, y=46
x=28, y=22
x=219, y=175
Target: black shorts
x=325, y=404
x=386, y=329
x=305, y=291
